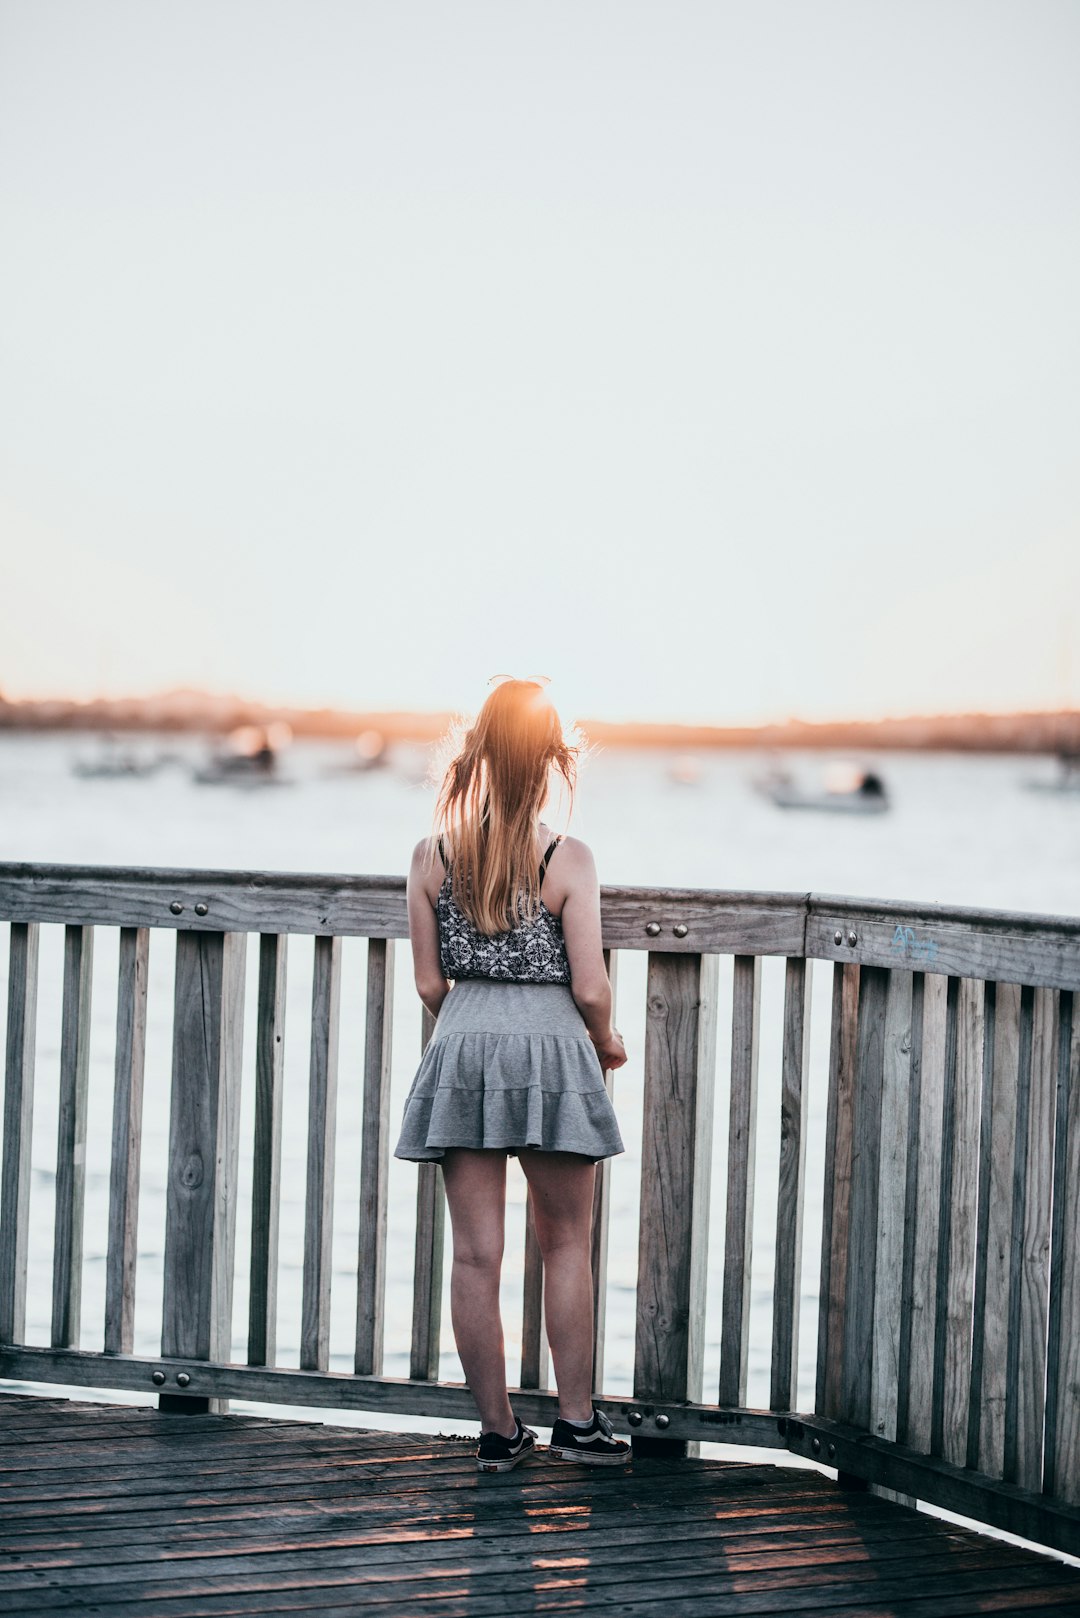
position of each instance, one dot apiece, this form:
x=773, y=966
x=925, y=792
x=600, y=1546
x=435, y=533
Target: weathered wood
x=374, y=1159
x=858, y=1338
x=321, y=1135
x=1062, y=1477
x=374, y=906
x=911, y=1194
x=892, y=1203
x=937, y=1481
x=71, y=1136
x=601, y=1213
x=982, y=1222
x=680, y=1060
x=126, y=1139
x=427, y=1257
x=924, y=1201
x=951, y=940
x=200, y=1204
x=266, y=1156
x=999, y=1116
x=1013, y=1302
x=1035, y=1251
x=741, y=1174
x=534, y=1347
x=787, y=1275
x=957, y=1280
x=391, y=1395
x=836, y=1212
x=18, y=1127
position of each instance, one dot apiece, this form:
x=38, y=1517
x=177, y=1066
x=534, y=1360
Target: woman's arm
x=431, y=985
x=580, y=917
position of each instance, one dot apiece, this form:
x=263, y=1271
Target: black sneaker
x=498, y=1454
x=594, y=1445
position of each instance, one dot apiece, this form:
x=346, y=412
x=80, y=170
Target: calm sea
x=962, y=829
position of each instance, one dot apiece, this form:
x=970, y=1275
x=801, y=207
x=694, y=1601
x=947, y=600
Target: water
x=962, y=830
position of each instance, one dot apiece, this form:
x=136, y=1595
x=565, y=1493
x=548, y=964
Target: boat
x=1068, y=776
x=848, y=789
x=249, y=758
x=115, y=762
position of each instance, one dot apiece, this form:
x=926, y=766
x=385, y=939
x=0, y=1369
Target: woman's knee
x=479, y=1254
x=559, y=1237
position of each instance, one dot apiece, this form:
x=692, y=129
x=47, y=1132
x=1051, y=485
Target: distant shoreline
x=198, y=712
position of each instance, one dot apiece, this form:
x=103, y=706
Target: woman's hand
x=610, y=1050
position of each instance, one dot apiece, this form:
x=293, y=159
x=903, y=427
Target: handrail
x=948, y=1355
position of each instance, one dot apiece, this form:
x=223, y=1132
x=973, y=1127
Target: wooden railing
x=948, y=1352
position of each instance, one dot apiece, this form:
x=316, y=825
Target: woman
x=516, y=1063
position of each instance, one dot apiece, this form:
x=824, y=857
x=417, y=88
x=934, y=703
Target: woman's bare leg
x=476, y=1196
x=561, y=1184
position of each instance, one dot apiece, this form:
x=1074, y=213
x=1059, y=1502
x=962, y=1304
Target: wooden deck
x=114, y=1509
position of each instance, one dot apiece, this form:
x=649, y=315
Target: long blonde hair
x=491, y=795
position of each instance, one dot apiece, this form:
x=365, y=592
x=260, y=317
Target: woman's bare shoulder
x=575, y=860
x=426, y=867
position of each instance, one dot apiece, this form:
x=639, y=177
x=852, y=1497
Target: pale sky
x=720, y=361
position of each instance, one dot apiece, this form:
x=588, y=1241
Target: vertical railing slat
x=200, y=1198
x=742, y=1163
x=924, y=1203
x=374, y=1160
x=892, y=1203
x=787, y=1278
x=427, y=1257
x=602, y=1213
x=911, y=1204
x=680, y=1059
x=322, y=1127
x=999, y=1114
x=71, y=1136
x=855, y=1382
x=1035, y=1252
x=957, y=1281
x=534, y=1347
x=1062, y=1477
x=124, y=1169
x=266, y=1155
x=836, y=1209
x=18, y=1125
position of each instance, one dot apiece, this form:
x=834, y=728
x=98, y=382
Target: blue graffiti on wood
x=914, y=948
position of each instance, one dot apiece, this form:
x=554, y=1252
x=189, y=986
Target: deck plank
x=121, y=1510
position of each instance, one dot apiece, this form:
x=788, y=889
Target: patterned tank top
x=532, y=952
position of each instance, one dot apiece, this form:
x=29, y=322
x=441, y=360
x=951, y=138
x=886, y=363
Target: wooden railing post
x=71, y=1136
x=374, y=1160
x=321, y=1137
x=427, y=1257
x=602, y=1212
x=18, y=1123
x=787, y=1277
x=741, y=1175
x=126, y=1140
x=200, y=1199
x=266, y=1162
x=676, y=1152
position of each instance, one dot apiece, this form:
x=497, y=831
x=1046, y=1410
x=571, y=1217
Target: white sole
x=511, y=1461
x=587, y=1458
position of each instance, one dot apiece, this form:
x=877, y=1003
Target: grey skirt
x=509, y=1065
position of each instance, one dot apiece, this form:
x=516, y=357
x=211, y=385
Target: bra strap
x=442, y=855
x=552, y=846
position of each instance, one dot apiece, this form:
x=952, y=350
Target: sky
x=720, y=361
